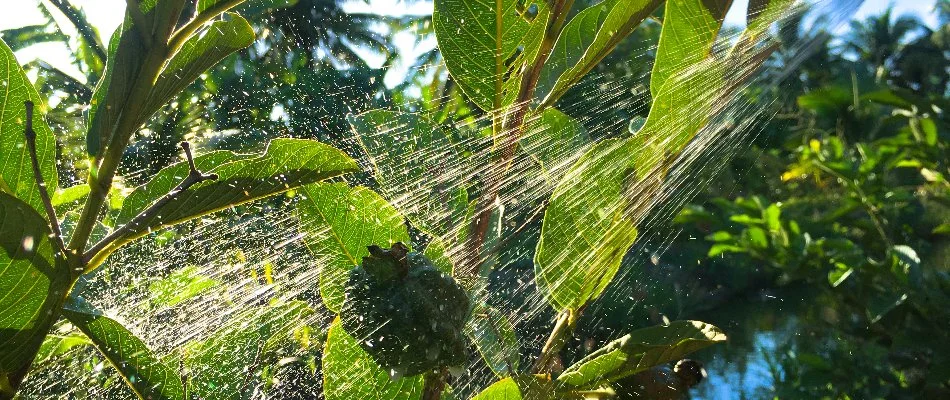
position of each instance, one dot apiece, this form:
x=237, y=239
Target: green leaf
x=201, y=51
x=350, y=373
x=340, y=222
x=757, y=237
x=721, y=248
x=590, y=221
x=180, y=286
x=33, y=284
x=929, y=130
x=16, y=169
x=287, y=163
x=435, y=251
x=480, y=42
x=760, y=14
x=554, y=140
x=69, y=195
x=227, y=363
x=494, y=337
x=26, y=36
x=589, y=37
x=526, y=387
x=689, y=30
x=255, y=7
x=839, y=274
x=409, y=154
x=679, y=111
x=126, y=57
x=719, y=236
x=56, y=345
x=148, y=377
x=586, y=228
x=640, y=350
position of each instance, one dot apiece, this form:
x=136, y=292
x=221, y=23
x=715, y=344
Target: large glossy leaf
x=286, y=164
x=16, y=173
x=591, y=219
x=340, y=222
x=227, y=364
x=494, y=337
x=148, y=377
x=586, y=228
x=481, y=41
x=640, y=350
x=760, y=14
x=350, y=373
x=586, y=40
x=679, y=111
x=689, y=30
x=33, y=283
x=416, y=163
x=127, y=54
x=201, y=51
x=519, y=387
x=554, y=140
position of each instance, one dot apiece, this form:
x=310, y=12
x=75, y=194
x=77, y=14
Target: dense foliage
x=520, y=213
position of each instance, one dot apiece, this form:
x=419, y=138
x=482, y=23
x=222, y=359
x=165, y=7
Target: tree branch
x=194, y=177
x=38, y=175
x=82, y=25
x=508, y=132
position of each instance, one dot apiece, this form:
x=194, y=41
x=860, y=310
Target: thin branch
x=563, y=329
x=507, y=133
x=82, y=25
x=194, y=177
x=38, y=175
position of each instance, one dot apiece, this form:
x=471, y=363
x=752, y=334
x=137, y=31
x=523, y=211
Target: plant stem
x=506, y=134
x=101, y=175
x=194, y=177
x=139, y=23
x=40, y=182
x=563, y=329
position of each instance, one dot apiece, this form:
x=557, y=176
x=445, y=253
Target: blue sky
x=107, y=14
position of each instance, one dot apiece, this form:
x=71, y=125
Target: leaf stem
x=30, y=135
x=562, y=332
x=194, y=177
